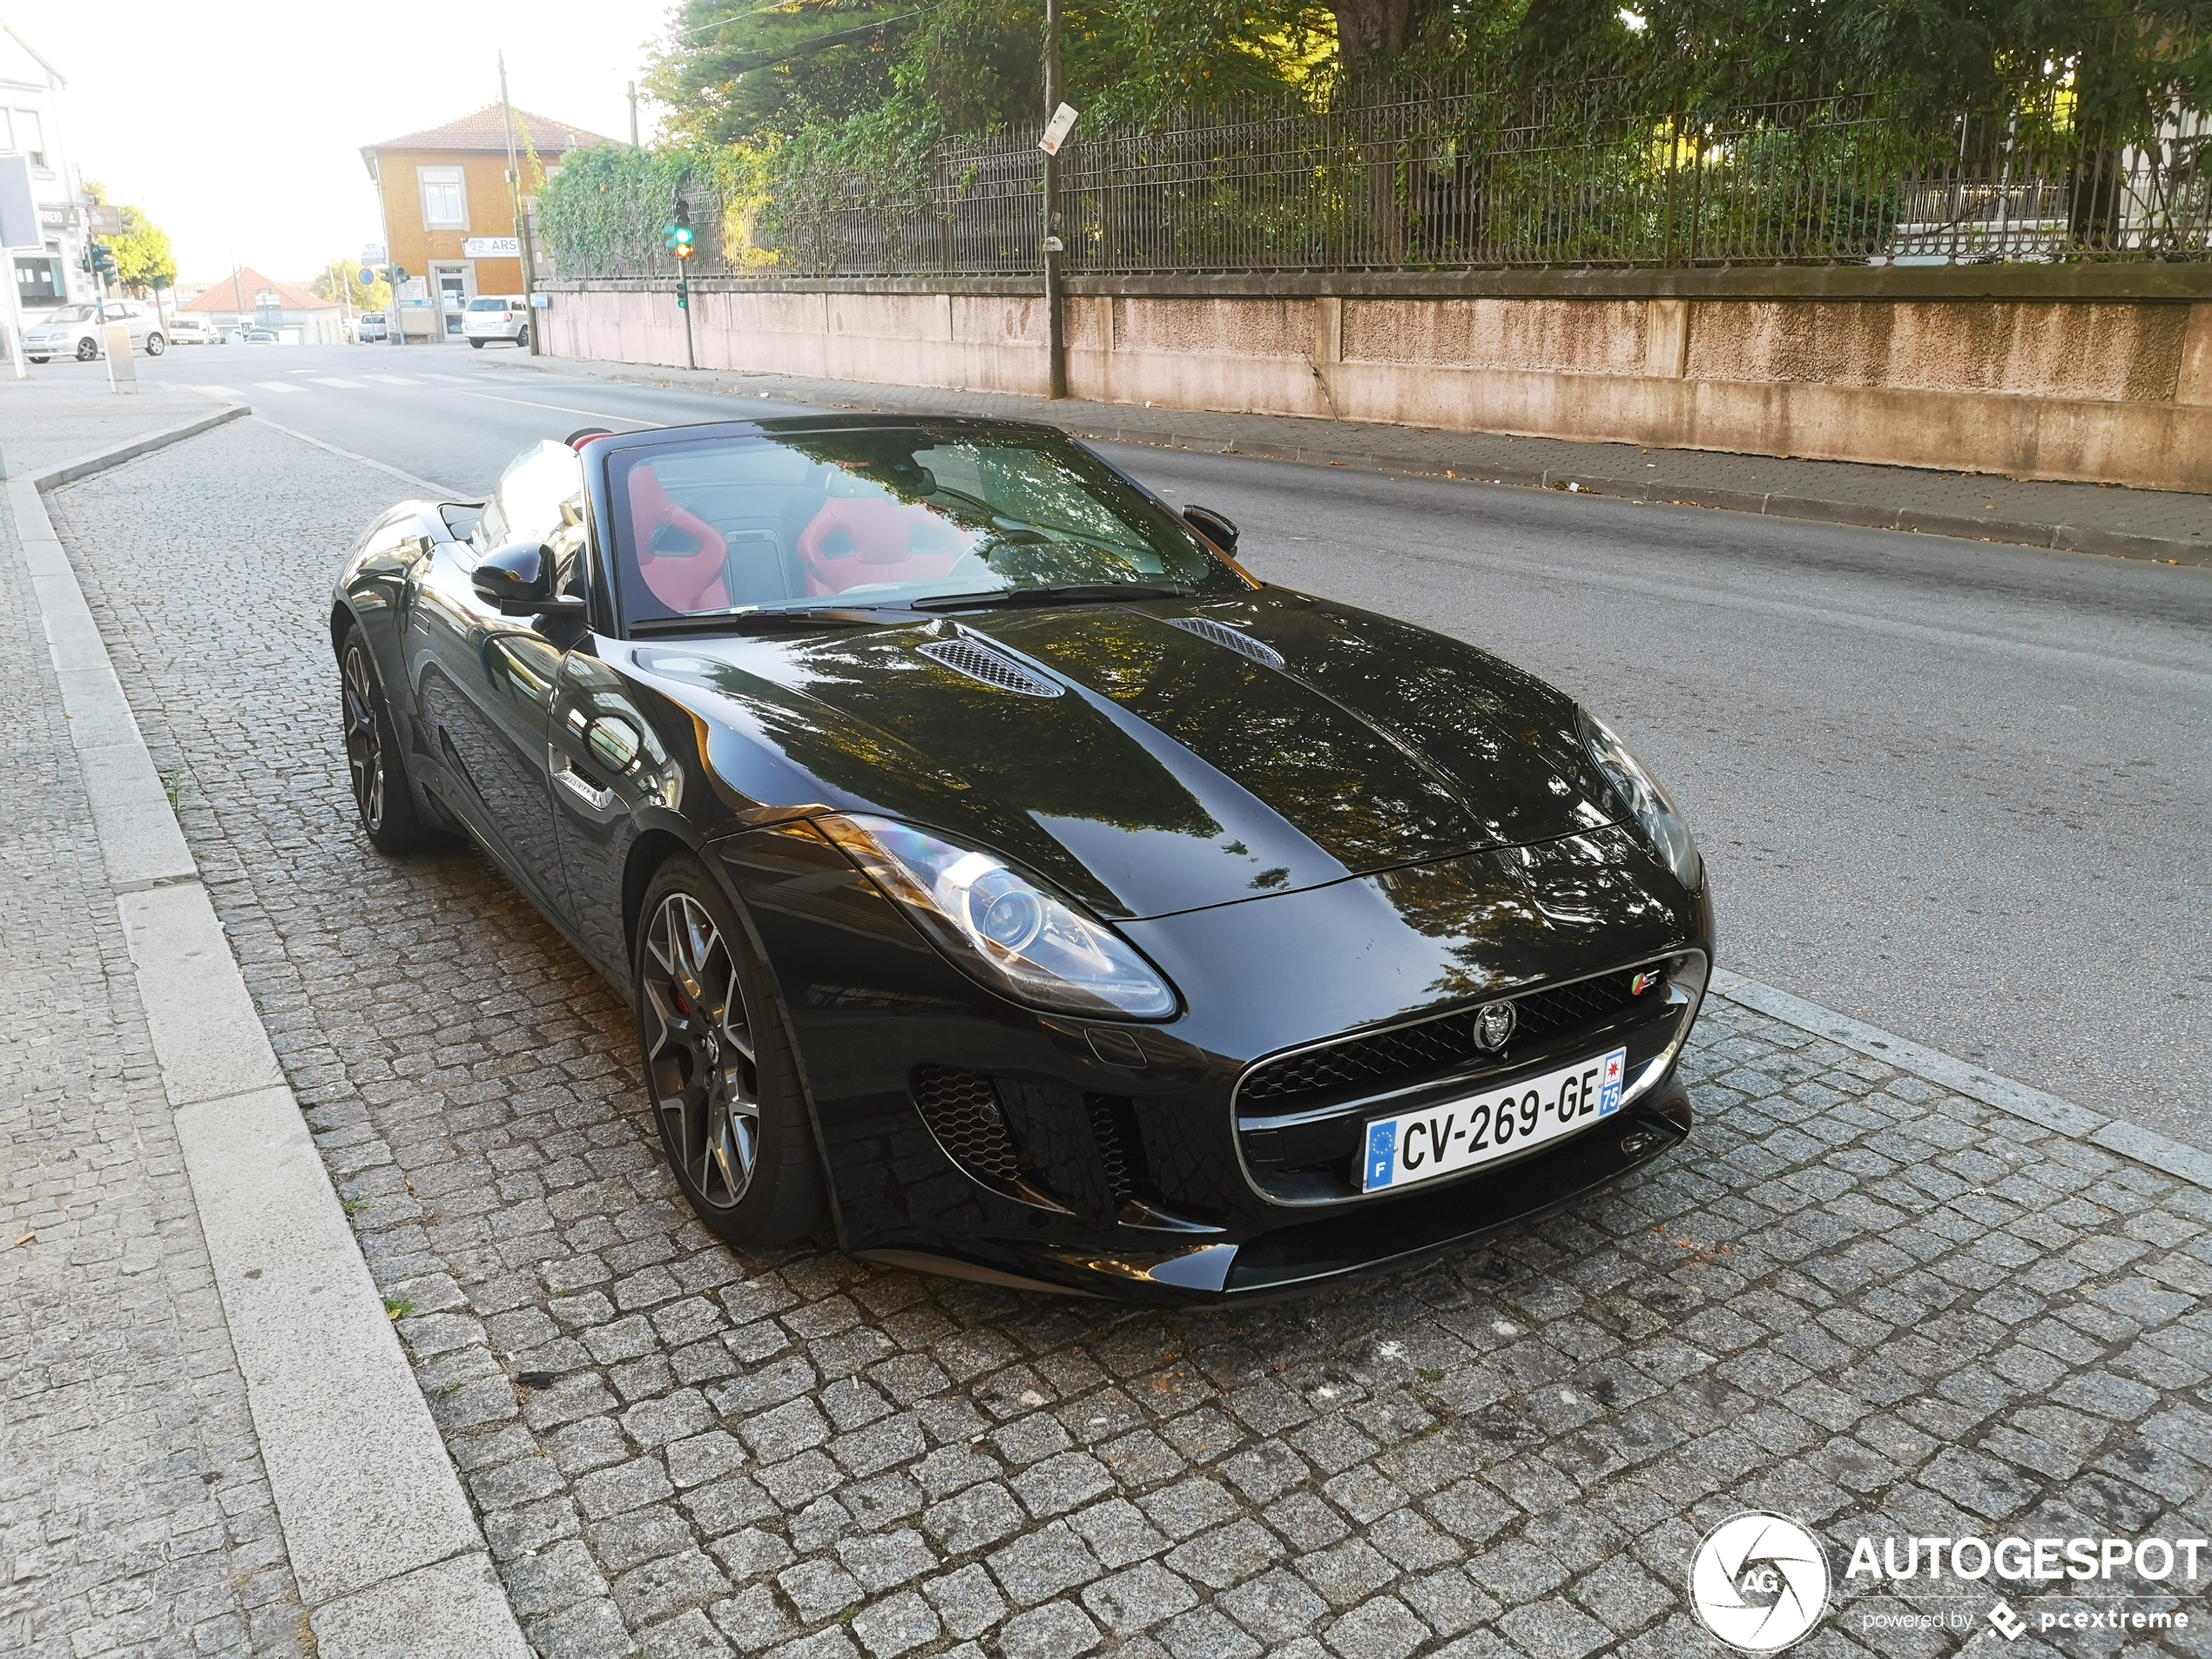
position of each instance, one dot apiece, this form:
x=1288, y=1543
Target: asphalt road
x=1962, y=790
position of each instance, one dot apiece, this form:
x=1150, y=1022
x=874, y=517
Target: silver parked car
x=74, y=331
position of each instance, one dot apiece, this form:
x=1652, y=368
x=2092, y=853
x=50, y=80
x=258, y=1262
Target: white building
x=30, y=125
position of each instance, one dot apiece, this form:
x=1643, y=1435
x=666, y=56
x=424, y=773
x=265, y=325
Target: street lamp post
x=1054, y=322
x=528, y=254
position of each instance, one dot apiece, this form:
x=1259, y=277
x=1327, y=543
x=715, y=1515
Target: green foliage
x=347, y=282
x=143, y=260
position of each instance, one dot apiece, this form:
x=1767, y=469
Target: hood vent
x=1001, y=673
x=1221, y=634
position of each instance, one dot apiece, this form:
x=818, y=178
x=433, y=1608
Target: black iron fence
x=1446, y=175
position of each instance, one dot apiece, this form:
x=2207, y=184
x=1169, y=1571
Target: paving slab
x=1859, y=1296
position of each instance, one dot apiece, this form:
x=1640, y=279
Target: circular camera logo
x=1759, y=1582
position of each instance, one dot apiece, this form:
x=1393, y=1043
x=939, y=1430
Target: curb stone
x=2058, y=538
x=384, y=1548
x=2167, y=1156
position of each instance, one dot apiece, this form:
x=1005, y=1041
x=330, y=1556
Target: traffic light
x=103, y=266
x=679, y=238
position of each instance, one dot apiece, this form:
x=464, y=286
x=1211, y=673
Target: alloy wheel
x=364, y=740
x=699, y=1052
x=87, y=349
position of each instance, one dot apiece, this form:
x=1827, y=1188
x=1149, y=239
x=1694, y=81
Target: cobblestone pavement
x=1853, y=1300
x=134, y=1516
x=1615, y=468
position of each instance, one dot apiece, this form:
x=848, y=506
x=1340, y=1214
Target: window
x=445, y=200
x=30, y=137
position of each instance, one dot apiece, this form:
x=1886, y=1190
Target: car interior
x=762, y=526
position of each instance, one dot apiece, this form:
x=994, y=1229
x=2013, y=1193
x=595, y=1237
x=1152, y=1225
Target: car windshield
x=72, y=314
x=886, y=516
x=488, y=305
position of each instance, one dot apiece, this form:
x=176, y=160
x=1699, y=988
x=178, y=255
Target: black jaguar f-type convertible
x=1001, y=872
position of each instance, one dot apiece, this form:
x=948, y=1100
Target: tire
x=375, y=768
x=720, y=1065
x=478, y=344
x=156, y=345
x=88, y=350
x=39, y=360
x=523, y=340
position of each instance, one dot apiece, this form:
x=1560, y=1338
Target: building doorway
x=453, y=285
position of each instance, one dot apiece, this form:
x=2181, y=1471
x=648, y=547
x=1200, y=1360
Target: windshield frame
x=608, y=458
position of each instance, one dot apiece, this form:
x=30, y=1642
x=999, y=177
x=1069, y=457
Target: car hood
x=1190, y=754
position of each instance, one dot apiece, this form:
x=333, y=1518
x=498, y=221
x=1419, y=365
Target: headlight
x=1000, y=926
x=1639, y=791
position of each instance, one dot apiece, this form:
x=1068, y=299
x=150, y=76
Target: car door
x=610, y=769
x=483, y=685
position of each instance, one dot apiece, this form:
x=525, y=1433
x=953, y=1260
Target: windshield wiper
x=1071, y=593
x=753, y=622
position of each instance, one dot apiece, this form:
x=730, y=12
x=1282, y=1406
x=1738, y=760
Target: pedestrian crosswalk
x=340, y=383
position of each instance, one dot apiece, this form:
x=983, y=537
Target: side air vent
x=962, y=1110
x=1236, y=639
x=981, y=662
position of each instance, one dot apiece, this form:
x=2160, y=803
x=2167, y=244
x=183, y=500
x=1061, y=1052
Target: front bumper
x=963, y=1135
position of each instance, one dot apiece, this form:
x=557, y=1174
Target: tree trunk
x=1370, y=33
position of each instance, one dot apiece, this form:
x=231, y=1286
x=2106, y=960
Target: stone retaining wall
x=2105, y=377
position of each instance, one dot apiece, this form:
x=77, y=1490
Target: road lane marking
x=332, y=379
x=565, y=408
x=220, y=391
x=442, y=492
x=458, y=379
x=276, y=386
x=392, y=380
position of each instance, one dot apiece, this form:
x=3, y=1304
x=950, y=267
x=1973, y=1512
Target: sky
x=240, y=134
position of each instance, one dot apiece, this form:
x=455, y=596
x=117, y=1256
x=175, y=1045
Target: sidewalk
x=2090, y=518
x=135, y=1515
x=214, y=1442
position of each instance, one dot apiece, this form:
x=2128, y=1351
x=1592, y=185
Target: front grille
x=981, y=662
x=1390, y=1059
x=1237, y=640
x=1121, y=1148
x=962, y=1110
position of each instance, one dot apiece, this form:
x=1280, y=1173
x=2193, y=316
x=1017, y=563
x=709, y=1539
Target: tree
x=348, y=282
x=143, y=260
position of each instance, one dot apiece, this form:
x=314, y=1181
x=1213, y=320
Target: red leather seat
x=856, y=541
x=687, y=582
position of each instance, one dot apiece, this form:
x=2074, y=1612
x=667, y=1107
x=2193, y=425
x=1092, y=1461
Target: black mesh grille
x=962, y=1108
x=1411, y=1051
x=981, y=662
x=1113, y=1125
x=1221, y=634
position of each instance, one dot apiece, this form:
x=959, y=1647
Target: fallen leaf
x=25, y=1239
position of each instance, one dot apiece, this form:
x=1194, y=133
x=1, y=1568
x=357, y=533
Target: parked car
x=496, y=316
x=75, y=331
x=997, y=869
x=186, y=330
x=371, y=327
x=253, y=337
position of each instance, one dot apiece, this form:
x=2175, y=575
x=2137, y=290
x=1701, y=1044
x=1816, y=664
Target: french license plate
x=1480, y=1129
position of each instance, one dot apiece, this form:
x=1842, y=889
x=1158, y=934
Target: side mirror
x=517, y=580
x=1211, y=525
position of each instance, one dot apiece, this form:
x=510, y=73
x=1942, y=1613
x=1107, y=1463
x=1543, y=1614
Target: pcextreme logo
x=1759, y=1582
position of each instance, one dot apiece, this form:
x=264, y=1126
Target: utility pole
x=632, y=88
x=529, y=255
x=1054, y=322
